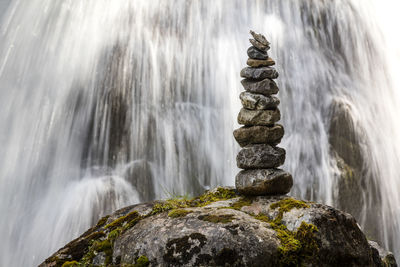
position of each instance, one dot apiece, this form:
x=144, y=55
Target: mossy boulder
x=222, y=228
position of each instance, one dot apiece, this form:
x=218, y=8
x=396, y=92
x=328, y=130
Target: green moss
x=298, y=247
x=121, y=220
x=142, y=261
x=70, y=264
x=242, y=202
x=102, y=221
x=214, y=196
x=114, y=234
x=169, y=205
x=201, y=201
x=217, y=218
x=288, y=204
x=177, y=213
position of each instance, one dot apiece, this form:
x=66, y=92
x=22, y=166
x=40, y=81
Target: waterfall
x=104, y=104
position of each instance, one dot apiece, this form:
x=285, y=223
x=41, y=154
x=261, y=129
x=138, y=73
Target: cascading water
x=107, y=103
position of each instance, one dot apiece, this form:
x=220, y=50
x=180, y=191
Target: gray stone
x=259, y=73
x=258, y=117
x=265, y=87
x=227, y=235
x=258, y=101
x=255, y=53
x=260, y=38
x=259, y=135
x=255, y=63
x=259, y=45
x=260, y=156
x=264, y=182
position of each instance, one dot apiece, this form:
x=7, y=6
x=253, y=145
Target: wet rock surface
x=222, y=228
x=259, y=135
x=261, y=156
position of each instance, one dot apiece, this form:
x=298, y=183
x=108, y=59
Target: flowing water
x=108, y=103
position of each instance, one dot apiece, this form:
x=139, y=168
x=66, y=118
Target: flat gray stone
x=264, y=182
x=265, y=87
x=258, y=101
x=259, y=73
x=255, y=63
x=260, y=156
x=259, y=135
x=255, y=53
x=260, y=38
x=259, y=45
x=258, y=117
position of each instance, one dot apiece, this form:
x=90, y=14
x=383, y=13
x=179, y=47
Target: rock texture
x=221, y=228
x=259, y=135
x=258, y=117
x=265, y=87
x=257, y=101
x=260, y=156
x=264, y=181
x=260, y=63
x=259, y=73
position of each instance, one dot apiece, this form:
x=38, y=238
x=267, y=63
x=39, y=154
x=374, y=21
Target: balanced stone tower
x=260, y=157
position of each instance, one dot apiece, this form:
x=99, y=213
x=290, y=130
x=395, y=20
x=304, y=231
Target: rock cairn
x=260, y=157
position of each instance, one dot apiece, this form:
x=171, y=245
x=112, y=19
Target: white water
x=108, y=103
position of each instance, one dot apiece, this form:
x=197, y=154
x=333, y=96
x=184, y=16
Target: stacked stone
x=260, y=157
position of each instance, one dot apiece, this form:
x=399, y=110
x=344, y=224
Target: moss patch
x=70, y=264
x=177, y=213
x=102, y=221
x=121, y=220
x=297, y=247
x=217, y=218
x=242, y=202
x=142, y=261
x=288, y=204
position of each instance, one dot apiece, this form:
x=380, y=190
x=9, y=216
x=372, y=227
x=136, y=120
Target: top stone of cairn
x=259, y=41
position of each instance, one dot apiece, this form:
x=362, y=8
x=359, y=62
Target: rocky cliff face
x=221, y=228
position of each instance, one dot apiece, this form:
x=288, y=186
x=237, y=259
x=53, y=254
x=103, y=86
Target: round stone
x=264, y=182
x=255, y=53
x=258, y=117
x=260, y=156
x=259, y=135
x=259, y=73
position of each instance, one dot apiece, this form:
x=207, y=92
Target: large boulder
x=221, y=228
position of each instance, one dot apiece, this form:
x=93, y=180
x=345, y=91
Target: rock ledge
x=221, y=228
